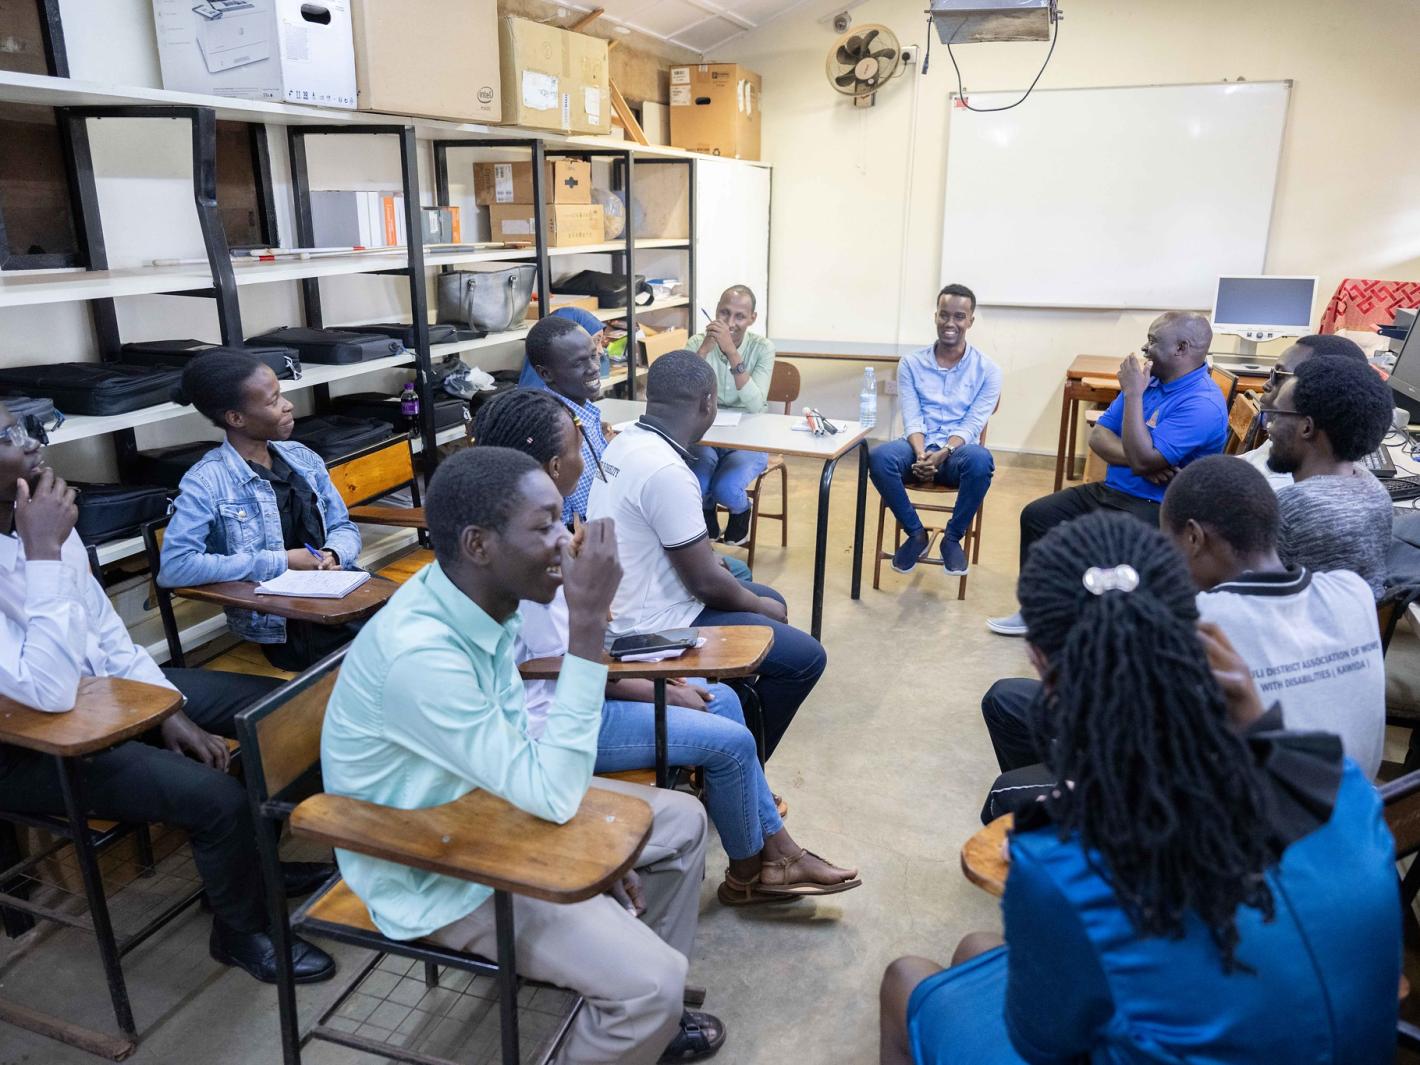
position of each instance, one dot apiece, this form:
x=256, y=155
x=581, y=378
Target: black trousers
x=1007, y=708
x=1043, y=514
x=140, y=782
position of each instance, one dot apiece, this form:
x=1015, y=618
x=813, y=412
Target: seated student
x=1285, y=367
x=594, y=327
x=672, y=576
x=1336, y=515
x=1168, y=413
x=56, y=627
x=248, y=509
x=1180, y=901
x=704, y=724
x=947, y=392
x=1309, y=639
x=743, y=363
x=429, y=706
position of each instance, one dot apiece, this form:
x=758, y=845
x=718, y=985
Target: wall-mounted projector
x=976, y=21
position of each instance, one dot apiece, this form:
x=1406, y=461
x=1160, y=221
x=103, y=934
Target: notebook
x=314, y=583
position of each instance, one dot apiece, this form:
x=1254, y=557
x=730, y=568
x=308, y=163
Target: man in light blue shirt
x=429, y=706
x=947, y=392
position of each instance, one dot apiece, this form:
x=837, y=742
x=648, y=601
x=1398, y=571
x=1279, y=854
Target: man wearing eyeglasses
x=1283, y=370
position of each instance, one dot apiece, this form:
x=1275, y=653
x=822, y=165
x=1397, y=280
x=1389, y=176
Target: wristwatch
x=741, y=368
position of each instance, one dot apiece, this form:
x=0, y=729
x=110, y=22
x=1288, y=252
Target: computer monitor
x=1405, y=375
x=1264, y=308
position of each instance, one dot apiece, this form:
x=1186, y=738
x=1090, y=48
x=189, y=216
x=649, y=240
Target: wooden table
x=983, y=857
x=242, y=595
x=729, y=651
x=774, y=434
x=107, y=712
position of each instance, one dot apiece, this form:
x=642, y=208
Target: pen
x=707, y=314
x=316, y=551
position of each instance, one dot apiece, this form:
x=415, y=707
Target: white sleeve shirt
x=57, y=626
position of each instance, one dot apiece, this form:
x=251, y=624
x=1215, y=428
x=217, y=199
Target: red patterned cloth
x=1363, y=305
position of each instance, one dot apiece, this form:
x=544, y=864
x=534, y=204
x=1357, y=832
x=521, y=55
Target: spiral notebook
x=314, y=583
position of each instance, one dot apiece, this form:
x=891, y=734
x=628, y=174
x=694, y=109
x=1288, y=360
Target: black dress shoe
x=301, y=878
x=712, y=522
x=737, y=529
x=255, y=952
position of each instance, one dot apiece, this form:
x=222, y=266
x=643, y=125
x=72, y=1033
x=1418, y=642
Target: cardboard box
x=564, y=181
x=553, y=78
x=286, y=50
x=715, y=109
x=587, y=303
x=663, y=343
x=568, y=224
x=451, y=44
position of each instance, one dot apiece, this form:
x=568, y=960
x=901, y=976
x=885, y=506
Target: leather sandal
x=784, y=885
x=736, y=892
x=701, y=1035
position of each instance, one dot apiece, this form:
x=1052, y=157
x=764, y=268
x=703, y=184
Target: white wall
x=857, y=217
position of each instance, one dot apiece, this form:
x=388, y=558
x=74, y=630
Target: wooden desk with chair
x=729, y=651
x=983, y=856
x=783, y=388
x=108, y=711
x=478, y=837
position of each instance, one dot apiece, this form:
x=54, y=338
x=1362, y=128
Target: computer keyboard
x=1402, y=488
x=1379, y=462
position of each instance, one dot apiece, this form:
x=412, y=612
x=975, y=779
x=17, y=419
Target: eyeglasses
x=1277, y=374
x=17, y=435
x=1272, y=412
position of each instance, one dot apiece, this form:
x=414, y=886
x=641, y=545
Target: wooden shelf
x=79, y=426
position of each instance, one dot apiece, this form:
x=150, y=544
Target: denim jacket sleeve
x=197, y=515
x=341, y=534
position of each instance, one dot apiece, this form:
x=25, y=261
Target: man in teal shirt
x=429, y=706
x=744, y=366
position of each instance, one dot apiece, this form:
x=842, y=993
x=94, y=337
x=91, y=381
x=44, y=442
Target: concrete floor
x=884, y=768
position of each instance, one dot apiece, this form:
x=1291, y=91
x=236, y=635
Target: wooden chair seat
x=403, y=517
x=408, y=565
x=339, y=907
x=646, y=777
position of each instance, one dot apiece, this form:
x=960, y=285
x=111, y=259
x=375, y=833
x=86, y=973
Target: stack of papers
x=314, y=583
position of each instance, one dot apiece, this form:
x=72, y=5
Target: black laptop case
x=98, y=388
x=331, y=346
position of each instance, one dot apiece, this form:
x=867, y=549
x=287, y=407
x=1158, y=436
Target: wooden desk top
x=108, y=711
x=729, y=651
x=983, y=858
x=1094, y=366
x=400, y=517
x=482, y=838
x=771, y=433
x=356, y=606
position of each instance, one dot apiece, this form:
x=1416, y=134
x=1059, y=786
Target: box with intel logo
x=287, y=50
x=453, y=44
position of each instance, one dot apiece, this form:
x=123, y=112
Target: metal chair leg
x=431, y=974
x=72, y=788
x=784, y=506
x=507, y=976
x=144, y=842
x=753, y=494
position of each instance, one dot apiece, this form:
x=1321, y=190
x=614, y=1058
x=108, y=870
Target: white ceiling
x=699, y=25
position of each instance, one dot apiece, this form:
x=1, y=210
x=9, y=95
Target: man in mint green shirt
x=744, y=366
x=429, y=706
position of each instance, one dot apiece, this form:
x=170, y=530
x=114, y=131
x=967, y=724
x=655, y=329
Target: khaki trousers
x=631, y=972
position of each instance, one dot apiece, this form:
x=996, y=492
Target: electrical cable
x=961, y=91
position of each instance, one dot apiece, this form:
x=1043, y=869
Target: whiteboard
x=732, y=235
x=1116, y=197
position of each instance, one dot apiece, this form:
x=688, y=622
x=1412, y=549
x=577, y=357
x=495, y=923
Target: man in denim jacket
x=249, y=506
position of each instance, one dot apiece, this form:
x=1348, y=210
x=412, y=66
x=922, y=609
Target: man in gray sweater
x=1310, y=639
x=1336, y=515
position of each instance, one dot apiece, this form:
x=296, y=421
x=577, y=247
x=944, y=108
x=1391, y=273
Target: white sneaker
x=1014, y=625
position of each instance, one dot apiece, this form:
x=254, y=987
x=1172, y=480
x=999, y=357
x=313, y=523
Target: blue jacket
x=225, y=527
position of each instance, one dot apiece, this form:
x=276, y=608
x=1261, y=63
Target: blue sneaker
x=953, y=558
x=906, y=556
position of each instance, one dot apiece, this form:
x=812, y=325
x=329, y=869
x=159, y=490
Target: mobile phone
x=646, y=643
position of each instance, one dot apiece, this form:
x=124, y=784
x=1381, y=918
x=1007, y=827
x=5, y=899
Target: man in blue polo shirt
x=1168, y=413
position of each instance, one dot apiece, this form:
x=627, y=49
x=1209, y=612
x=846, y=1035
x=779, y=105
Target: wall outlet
x=909, y=53
x=889, y=386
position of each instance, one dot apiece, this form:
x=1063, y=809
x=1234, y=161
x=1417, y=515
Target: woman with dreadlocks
x=1204, y=888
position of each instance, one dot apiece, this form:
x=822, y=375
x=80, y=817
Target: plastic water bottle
x=868, y=400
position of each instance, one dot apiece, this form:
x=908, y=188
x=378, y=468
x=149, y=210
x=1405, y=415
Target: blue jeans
x=736, y=793
x=738, y=570
x=724, y=475
x=787, y=675
x=969, y=471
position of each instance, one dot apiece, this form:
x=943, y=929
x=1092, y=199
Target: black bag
x=438, y=334
x=285, y=362
x=333, y=436
x=448, y=410
x=36, y=416
x=331, y=346
x=503, y=381
x=98, y=388
x=609, y=289
x=169, y=465
x=114, y=511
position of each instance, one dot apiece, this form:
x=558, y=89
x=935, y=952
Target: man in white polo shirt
x=671, y=576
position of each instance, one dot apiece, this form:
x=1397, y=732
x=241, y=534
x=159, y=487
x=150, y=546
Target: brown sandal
x=736, y=892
